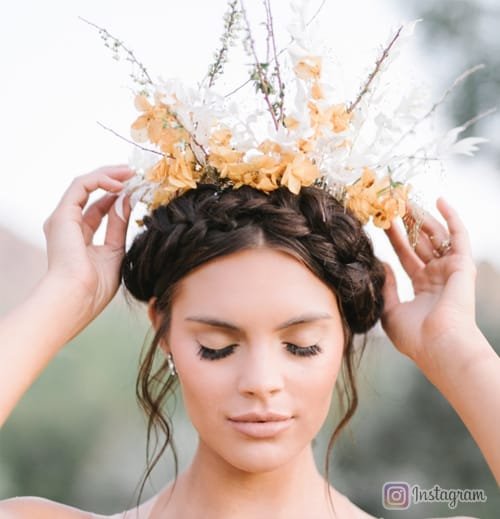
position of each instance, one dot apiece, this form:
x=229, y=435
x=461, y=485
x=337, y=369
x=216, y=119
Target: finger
x=433, y=228
x=424, y=247
x=390, y=289
x=116, y=230
x=409, y=260
x=108, y=178
x=94, y=215
x=459, y=236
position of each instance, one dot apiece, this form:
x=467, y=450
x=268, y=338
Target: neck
x=211, y=487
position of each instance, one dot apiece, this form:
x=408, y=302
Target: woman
x=254, y=299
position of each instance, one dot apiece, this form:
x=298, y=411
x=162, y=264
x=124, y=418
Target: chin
x=259, y=456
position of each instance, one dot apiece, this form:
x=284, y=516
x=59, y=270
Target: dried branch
x=434, y=107
x=116, y=46
x=478, y=117
x=378, y=64
x=263, y=81
x=130, y=141
x=315, y=15
x=231, y=20
x=191, y=135
x=320, y=8
x=281, y=92
x=449, y=90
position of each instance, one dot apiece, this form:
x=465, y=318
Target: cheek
x=315, y=389
x=204, y=387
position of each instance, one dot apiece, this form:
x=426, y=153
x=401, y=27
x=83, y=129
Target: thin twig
x=314, y=16
x=132, y=57
x=191, y=135
x=478, y=117
x=130, y=141
x=280, y=52
x=434, y=107
x=216, y=68
x=268, y=36
x=260, y=72
x=277, y=67
x=375, y=71
x=450, y=89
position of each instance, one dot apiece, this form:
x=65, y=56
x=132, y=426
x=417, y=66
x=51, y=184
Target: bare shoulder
x=344, y=507
x=41, y=508
x=349, y=510
x=20, y=507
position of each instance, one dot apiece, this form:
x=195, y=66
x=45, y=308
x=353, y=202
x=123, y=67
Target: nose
x=261, y=373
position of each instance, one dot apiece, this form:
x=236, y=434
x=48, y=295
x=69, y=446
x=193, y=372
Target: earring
x=171, y=365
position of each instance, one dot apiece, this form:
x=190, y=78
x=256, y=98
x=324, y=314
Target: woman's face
x=256, y=332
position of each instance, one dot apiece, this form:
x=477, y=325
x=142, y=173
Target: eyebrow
x=301, y=319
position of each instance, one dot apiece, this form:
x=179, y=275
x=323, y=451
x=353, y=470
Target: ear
x=155, y=319
x=153, y=314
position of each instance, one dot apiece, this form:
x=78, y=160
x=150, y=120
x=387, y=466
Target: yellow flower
x=174, y=175
x=301, y=171
x=380, y=199
x=220, y=137
x=308, y=67
x=262, y=172
x=317, y=91
x=340, y=118
x=158, y=125
x=220, y=156
x=291, y=123
x=334, y=117
x=305, y=145
x=146, y=126
x=269, y=146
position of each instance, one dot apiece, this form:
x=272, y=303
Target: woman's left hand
x=436, y=323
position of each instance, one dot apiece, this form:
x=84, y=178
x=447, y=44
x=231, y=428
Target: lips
x=260, y=417
x=261, y=425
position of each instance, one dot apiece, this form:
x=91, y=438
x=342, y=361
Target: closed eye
x=220, y=353
x=303, y=352
x=211, y=354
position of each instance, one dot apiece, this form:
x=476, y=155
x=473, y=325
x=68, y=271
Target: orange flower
x=146, y=126
x=308, y=67
x=340, y=118
x=262, y=172
x=220, y=137
x=334, y=117
x=174, y=175
x=380, y=199
x=291, y=123
x=301, y=171
x=317, y=91
x=157, y=124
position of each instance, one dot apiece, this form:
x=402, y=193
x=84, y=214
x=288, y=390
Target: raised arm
x=80, y=281
x=438, y=331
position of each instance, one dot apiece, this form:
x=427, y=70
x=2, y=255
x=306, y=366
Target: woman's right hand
x=88, y=272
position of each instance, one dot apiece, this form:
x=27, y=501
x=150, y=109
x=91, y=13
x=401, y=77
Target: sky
x=59, y=80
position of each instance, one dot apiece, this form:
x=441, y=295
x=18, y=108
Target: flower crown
x=300, y=130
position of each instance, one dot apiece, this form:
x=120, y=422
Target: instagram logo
x=396, y=495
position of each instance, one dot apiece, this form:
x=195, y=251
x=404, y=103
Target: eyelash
x=211, y=354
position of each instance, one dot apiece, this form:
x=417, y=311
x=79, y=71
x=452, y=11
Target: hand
x=89, y=273
x=435, y=325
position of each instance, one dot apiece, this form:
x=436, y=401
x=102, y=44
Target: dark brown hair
x=210, y=222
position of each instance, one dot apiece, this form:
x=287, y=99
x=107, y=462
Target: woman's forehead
x=267, y=287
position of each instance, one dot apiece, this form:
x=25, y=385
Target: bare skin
x=437, y=330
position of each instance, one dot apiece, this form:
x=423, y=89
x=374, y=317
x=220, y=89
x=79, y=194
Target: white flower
x=449, y=144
